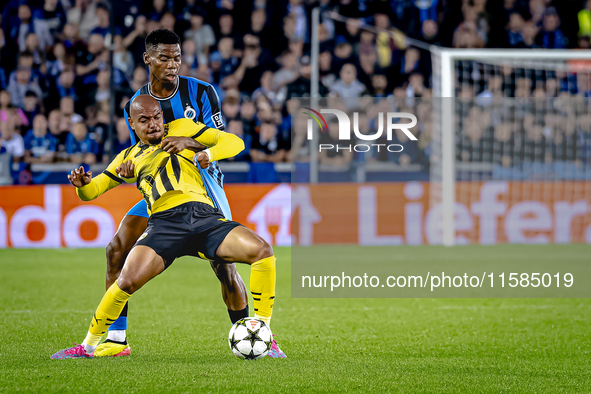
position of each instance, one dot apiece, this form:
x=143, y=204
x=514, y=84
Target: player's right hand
x=202, y=159
x=80, y=178
x=125, y=170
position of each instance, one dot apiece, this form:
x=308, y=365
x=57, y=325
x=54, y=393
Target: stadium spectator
x=83, y=16
x=140, y=78
x=430, y=32
x=67, y=110
x=40, y=145
x=252, y=67
x=6, y=108
x=123, y=140
x=267, y=145
x=33, y=47
x=135, y=41
x=154, y=10
x=168, y=21
x=201, y=34
x=236, y=127
x=31, y=106
x=93, y=59
x=266, y=87
x=529, y=33
x=301, y=86
x=189, y=54
x=226, y=26
x=343, y=53
x=72, y=41
x=103, y=25
x=96, y=123
x=63, y=86
x=53, y=16
x=288, y=71
x=379, y=85
x=81, y=148
x=383, y=40
x=122, y=58
x=57, y=65
x=247, y=114
x=11, y=139
x=100, y=95
x=550, y=37
x=225, y=58
x=231, y=105
x=18, y=27
x=19, y=86
x=348, y=85
x=54, y=123
x=26, y=61
x=584, y=19
x=514, y=30
x=325, y=67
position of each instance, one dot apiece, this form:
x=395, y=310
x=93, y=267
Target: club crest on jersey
x=217, y=120
x=190, y=112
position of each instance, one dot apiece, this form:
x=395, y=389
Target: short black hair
x=161, y=36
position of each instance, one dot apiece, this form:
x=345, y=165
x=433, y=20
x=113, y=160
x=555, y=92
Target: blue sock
x=121, y=322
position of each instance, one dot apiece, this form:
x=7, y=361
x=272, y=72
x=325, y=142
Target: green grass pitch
x=179, y=325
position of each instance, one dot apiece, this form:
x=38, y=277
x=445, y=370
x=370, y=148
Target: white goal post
x=444, y=81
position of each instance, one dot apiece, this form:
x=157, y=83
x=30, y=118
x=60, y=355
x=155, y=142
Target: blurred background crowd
x=55, y=74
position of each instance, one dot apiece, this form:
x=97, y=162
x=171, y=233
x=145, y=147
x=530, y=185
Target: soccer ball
x=250, y=338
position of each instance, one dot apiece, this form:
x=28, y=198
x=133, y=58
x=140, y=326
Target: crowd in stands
x=55, y=71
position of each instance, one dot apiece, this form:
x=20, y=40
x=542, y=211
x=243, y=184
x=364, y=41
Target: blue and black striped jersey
x=198, y=101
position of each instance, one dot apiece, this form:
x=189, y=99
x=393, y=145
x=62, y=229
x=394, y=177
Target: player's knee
x=127, y=284
x=258, y=249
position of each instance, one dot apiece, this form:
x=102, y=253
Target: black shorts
x=191, y=229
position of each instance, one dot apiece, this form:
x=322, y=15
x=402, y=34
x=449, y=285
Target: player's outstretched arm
x=88, y=188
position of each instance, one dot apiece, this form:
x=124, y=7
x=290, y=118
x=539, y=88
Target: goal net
x=511, y=146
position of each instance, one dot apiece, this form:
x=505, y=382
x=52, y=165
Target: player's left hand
x=80, y=178
x=203, y=159
x=176, y=144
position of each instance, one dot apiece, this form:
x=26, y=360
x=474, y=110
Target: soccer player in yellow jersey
x=183, y=220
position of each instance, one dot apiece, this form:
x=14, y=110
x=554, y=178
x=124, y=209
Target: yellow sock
x=262, y=287
x=107, y=312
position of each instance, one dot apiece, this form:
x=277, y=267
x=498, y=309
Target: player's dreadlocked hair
x=161, y=36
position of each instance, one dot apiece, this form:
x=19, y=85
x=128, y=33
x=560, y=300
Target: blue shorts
x=139, y=209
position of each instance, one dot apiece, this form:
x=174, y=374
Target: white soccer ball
x=250, y=338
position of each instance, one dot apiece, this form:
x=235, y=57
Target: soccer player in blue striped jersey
x=179, y=97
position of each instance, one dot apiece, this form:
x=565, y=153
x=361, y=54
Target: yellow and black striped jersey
x=166, y=180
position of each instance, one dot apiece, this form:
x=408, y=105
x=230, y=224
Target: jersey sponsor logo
x=144, y=235
x=190, y=112
x=217, y=120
